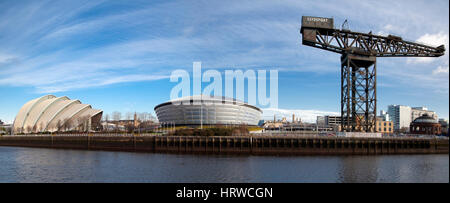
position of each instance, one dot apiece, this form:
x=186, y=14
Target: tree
x=128, y=116
x=19, y=130
x=29, y=129
x=41, y=126
x=106, y=117
x=59, y=125
x=83, y=123
x=144, y=116
x=403, y=130
x=66, y=124
x=150, y=117
x=116, y=115
x=129, y=127
x=141, y=116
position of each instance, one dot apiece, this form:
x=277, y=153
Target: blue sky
x=118, y=55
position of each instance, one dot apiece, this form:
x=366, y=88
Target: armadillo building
x=53, y=114
x=207, y=110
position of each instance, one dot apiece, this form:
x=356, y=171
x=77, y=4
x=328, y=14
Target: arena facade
x=207, y=110
x=55, y=114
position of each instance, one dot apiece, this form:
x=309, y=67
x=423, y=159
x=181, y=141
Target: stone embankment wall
x=257, y=145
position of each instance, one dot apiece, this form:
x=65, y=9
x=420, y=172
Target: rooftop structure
x=425, y=124
x=51, y=114
x=207, y=110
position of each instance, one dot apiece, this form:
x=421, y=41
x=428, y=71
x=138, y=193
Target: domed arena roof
x=50, y=114
x=425, y=118
x=207, y=99
x=207, y=110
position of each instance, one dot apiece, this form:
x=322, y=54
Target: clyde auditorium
x=51, y=114
x=207, y=110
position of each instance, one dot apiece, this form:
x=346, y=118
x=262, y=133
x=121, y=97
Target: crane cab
x=310, y=26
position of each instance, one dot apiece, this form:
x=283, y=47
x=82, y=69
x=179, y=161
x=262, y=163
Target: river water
x=19, y=164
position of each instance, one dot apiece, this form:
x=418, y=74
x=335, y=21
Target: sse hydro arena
x=207, y=110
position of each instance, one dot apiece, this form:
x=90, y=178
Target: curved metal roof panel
x=43, y=114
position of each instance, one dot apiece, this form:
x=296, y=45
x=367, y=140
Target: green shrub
x=212, y=131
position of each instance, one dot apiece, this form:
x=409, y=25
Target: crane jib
x=358, y=65
x=342, y=41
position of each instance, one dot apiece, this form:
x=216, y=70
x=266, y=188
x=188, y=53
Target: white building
x=402, y=116
x=320, y=121
x=384, y=115
x=53, y=114
x=417, y=112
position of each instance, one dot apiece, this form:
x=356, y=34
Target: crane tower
x=359, y=52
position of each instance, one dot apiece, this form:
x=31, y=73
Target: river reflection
x=55, y=165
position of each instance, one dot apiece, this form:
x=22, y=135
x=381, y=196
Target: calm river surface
x=18, y=164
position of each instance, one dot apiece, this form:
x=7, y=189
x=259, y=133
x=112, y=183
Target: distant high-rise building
x=333, y=120
x=417, y=112
x=401, y=116
x=261, y=122
x=444, y=126
x=320, y=121
x=384, y=115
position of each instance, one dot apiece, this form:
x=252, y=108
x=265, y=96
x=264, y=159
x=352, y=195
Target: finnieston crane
x=358, y=65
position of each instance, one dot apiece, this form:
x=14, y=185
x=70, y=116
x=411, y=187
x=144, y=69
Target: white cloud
x=5, y=58
x=308, y=116
x=432, y=40
x=240, y=34
x=417, y=78
x=119, y=63
x=440, y=70
x=95, y=82
x=389, y=28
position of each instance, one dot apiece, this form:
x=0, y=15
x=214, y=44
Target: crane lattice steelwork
x=358, y=65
